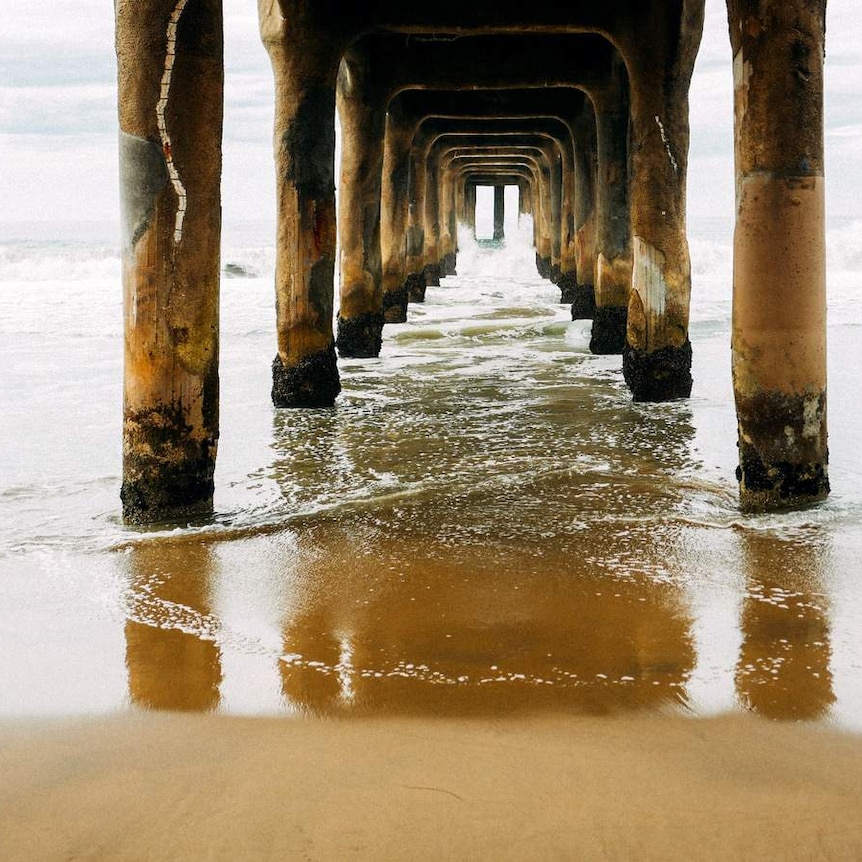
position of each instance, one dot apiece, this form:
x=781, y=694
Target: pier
x=584, y=106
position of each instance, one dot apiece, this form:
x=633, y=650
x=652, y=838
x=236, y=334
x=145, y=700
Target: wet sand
x=161, y=786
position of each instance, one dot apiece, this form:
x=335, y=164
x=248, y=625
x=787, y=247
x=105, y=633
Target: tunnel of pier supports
x=551, y=79
x=538, y=150
x=596, y=98
x=563, y=104
x=541, y=146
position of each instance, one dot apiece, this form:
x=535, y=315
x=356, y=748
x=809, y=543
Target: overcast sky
x=58, y=131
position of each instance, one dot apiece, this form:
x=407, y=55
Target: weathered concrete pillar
x=394, y=210
x=305, y=65
x=415, y=283
x=613, y=235
x=544, y=222
x=448, y=222
x=170, y=72
x=431, y=222
x=779, y=297
x=363, y=121
x=470, y=207
x=657, y=355
x=568, y=280
x=525, y=200
x=499, y=213
x=556, y=207
x=537, y=202
x=452, y=256
x=584, y=128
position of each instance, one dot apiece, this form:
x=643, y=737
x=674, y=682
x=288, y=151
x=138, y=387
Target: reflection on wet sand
x=374, y=624
x=173, y=662
x=783, y=670
x=534, y=588
x=561, y=590
x=453, y=635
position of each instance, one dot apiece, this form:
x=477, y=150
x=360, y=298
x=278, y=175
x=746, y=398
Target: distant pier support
x=448, y=223
x=305, y=66
x=556, y=208
x=525, y=202
x=470, y=207
x=499, y=213
x=431, y=218
x=779, y=296
x=170, y=69
x=543, y=221
x=584, y=297
x=416, y=283
x=363, y=124
x=568, y=280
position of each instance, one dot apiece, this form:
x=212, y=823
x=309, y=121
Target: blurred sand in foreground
x=162, y=786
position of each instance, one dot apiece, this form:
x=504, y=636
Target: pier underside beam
x=170, y=69
x=779, y=296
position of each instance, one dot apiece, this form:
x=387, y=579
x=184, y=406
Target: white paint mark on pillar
x=161, y=105
x=742, y=74
x=666, y=142
x=648, y=277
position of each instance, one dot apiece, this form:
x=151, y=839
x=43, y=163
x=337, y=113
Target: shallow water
x=484, y=524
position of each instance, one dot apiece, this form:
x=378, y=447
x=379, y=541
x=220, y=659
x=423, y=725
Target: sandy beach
x=650, y=788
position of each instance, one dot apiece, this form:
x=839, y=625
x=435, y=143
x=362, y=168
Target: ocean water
x=484, y=524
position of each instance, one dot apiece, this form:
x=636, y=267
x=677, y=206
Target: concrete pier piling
x=779, y=274
x=363, y=122
x=416, y=283
x=657, y=354
x=584, y=128
x=499, y=213
x=613, y=272
x=394, y=205
x=584, y=108
x=170, y=69
x=305, y=59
